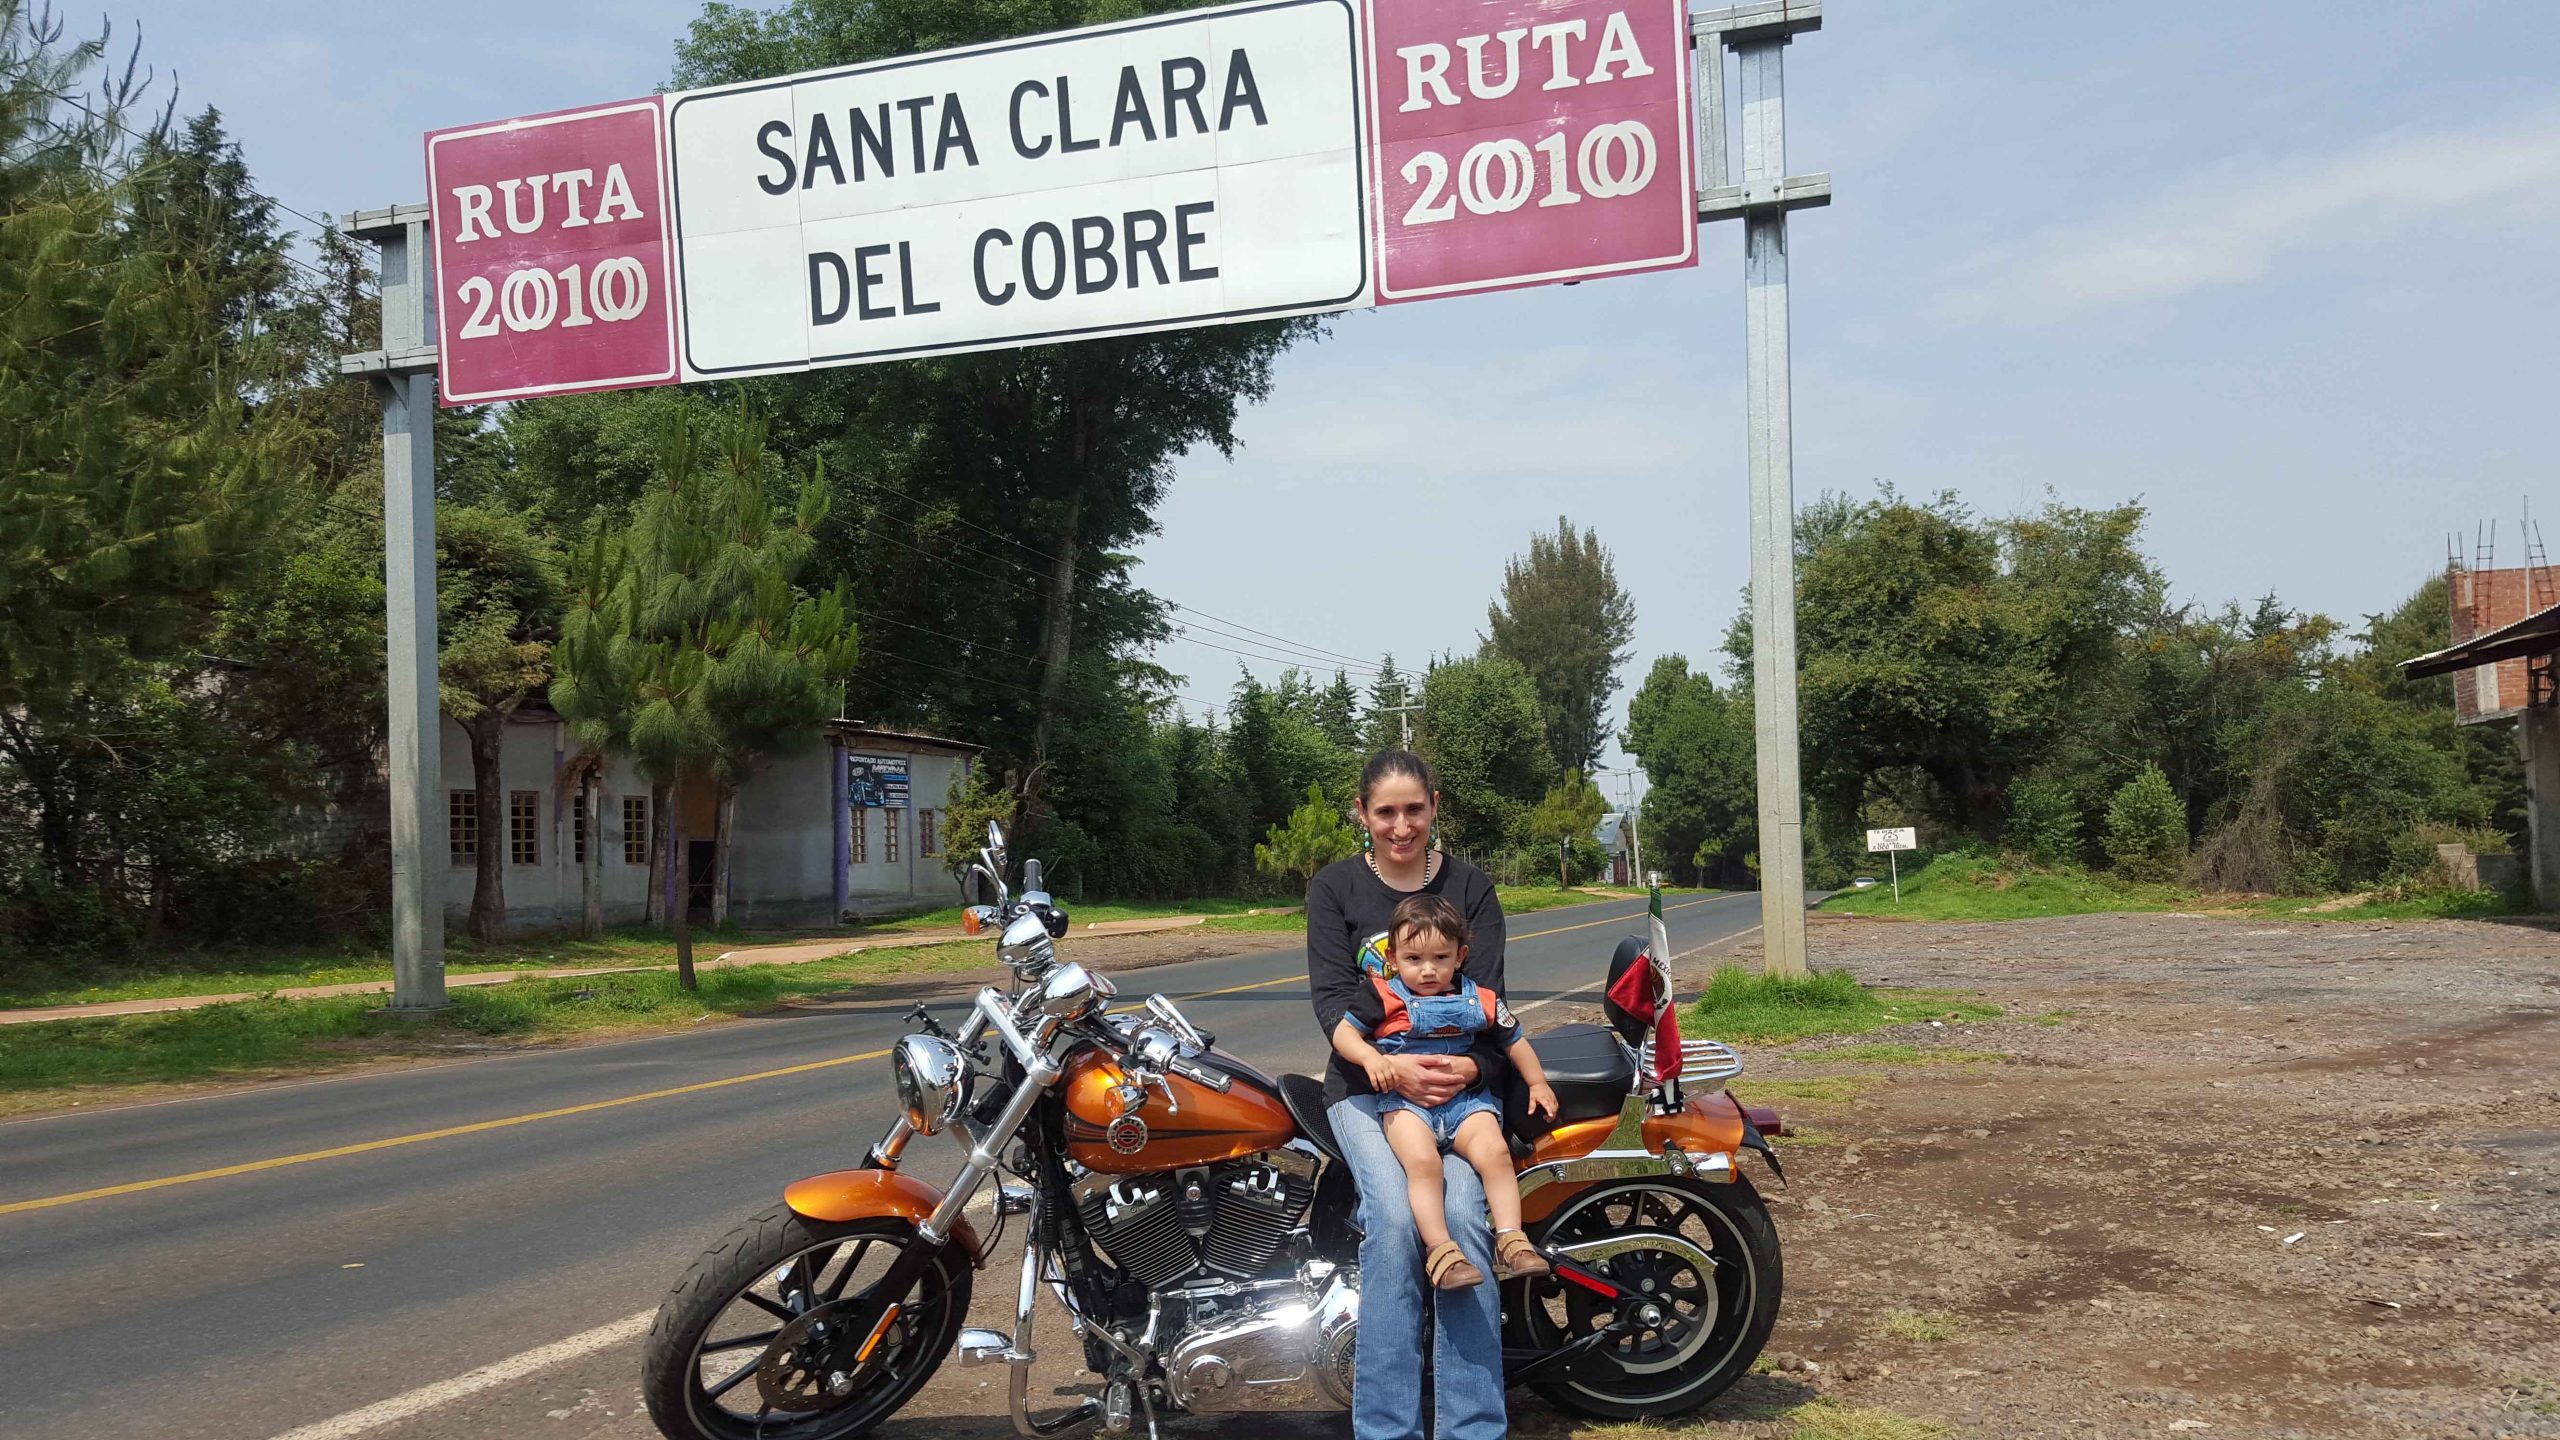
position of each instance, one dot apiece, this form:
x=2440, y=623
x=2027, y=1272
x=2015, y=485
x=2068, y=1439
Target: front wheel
x=740, y=1350
x=1700, y=1270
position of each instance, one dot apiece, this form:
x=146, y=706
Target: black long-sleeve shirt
x=1347, y=911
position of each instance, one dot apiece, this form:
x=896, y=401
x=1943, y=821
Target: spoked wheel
x=761, y=1340
x=1698, y=1265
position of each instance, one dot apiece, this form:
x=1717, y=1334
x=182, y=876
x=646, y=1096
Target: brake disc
x=809, y=1366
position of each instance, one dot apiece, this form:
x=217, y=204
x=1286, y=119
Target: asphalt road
x=367, y=1240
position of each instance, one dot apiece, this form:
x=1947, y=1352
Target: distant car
x=1863, y=882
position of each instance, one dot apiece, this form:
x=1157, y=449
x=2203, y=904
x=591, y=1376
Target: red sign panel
x=1522, y=142
x=552, y=237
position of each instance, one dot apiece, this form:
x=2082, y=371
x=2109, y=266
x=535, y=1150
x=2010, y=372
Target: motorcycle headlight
x=933, y=1082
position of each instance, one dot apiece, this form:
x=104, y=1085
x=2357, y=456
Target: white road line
x=445, y=1392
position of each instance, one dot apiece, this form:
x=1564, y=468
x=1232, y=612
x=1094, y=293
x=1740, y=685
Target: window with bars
x=927, y=843
x=889, y=836
x=524, y=826
x=462, y=825
x=860, y=850
x=578, y=828
x=635, y=829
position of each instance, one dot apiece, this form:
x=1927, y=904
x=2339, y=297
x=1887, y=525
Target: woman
x=1347, y=908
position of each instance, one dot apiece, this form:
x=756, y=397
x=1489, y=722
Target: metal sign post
x=405, y=372
x=1893, y=841
x=1758, y=35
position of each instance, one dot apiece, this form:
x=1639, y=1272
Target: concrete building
x=848, y=827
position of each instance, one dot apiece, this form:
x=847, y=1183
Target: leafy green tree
x=701, y=657
x=138, y=483
x=1701, y=804
x=497, y=608
x=1481, y=731
x=2147, y=828
x=2044, y=820
x=1563, y=619
x=1315, y=835
x=1942, y=655
x=2344, y=779
x=1565, y=823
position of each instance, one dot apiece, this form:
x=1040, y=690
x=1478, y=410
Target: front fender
x=841, y=1195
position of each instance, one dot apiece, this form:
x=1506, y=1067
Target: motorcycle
x=1192, y=1218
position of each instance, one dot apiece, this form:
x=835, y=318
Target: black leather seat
x=1304, y=1095
x=1589, y=1069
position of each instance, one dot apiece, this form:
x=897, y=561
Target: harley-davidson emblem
x=1127, y=1135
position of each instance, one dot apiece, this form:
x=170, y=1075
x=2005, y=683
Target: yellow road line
x=306, y=1157
x=393, y=1142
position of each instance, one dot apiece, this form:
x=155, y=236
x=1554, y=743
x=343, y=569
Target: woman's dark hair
x=1397, y=762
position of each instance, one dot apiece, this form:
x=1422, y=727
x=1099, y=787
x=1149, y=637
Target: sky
x=2285, y=273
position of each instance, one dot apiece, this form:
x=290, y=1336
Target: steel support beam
x=1762, y=197
x=404, y=369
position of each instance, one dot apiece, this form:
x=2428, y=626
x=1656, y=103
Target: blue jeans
x=1445, y=1117
x=1467, y=1341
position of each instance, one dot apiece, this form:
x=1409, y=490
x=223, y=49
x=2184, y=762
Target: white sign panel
x=1900, y=837
x=1187, y=170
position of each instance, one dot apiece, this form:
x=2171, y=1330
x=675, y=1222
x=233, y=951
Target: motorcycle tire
x=1656, y=1374
x=755, y=1255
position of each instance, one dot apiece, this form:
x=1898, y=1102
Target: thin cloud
x=2238, y=224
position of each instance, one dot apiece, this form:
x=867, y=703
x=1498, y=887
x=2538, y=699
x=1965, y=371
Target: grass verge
x=1978, y=887
x=1901, y=1055
x=39, y=1063
x=1741, y=1005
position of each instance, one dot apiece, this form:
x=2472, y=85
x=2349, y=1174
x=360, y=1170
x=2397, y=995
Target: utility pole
x=1407, y=712
x=1758, y=34
x=1635, y=836
x=404, y=372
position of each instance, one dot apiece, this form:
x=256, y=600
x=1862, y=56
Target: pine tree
x=688, y=646
x=1382, y=727
x=1563, y=619
x=137, y=485
x=1338, y=713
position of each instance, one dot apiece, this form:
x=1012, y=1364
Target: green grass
x=1820, y=1089
x=1832, y=1420
x=1925, y=1327
x=1976, y=887
x=1902, y=1055
x=1741, y=1005
x=2055, y=1019
x=268, y=1037
x=1291, y=923
x=29, y=982
x=2420, y=905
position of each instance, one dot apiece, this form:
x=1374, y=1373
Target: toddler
x=1426, y=1007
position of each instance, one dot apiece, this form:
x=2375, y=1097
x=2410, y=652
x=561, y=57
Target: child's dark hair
x=1397, y=762
x=1431, y=915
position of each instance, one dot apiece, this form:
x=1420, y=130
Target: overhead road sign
x=1185, y=170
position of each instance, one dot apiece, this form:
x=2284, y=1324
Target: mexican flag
x=1645, y=992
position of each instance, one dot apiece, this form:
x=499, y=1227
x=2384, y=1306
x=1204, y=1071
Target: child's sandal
x=1514, y=1256
x=1449, y=1268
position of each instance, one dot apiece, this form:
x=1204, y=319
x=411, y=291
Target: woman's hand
x=1429, y=1080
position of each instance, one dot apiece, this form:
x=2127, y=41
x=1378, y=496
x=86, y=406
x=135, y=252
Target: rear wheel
x=1701, y=1274
x=758, y=1341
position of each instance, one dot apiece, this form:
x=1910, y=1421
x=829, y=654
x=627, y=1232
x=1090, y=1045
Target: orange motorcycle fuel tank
x=1203, y=1128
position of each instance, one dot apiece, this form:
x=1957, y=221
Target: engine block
x=1226, y=1220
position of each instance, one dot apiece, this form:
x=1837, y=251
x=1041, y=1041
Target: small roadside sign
x=552, y=240
x=1893, y=840
x=1527, y=142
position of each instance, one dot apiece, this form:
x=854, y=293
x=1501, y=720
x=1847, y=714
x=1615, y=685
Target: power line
x=1267, y=635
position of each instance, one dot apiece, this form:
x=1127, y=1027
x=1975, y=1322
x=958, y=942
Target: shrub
x=2147, y=828
x=2044, y=821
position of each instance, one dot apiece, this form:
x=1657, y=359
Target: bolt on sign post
x=1892, y=842
x=1245, y=161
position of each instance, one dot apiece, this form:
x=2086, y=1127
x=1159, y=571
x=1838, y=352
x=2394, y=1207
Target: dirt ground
x=2217, y=1176
x=2231, y=1176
